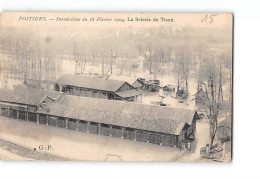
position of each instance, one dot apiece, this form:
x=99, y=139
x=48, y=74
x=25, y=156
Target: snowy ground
x=169, y=99
x=6, y=155
x=75, y=145
x=202, y=138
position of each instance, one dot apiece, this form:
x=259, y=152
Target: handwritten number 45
x=208, y=18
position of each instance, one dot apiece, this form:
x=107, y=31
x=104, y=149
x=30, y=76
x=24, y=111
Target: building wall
x=82, y=126
x=77, y=91
x=102, y=129
x=152, y=87
x=85, y=92
x=137, y=84
x=93, y=128
x=139, y=98
x=116, y=131
x=72, y=124
x=61, y=122
x=128, y=133
x=131, y=99
x=224, y=133
x=99, y=94
x=166, y=89
x=32, y=117
x=18, y=111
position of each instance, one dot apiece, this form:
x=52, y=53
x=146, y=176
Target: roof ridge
x=93, y=77
x=141, y=118
x=126, y=112
x=132, y=103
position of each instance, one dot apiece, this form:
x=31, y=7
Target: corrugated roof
x=125, y=114
x=26, y=95
x=90, y=82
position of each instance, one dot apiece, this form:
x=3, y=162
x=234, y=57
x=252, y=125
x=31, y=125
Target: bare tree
x=182, y=67
x=209, y=97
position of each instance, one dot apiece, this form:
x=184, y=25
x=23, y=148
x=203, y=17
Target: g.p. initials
x=42, y=147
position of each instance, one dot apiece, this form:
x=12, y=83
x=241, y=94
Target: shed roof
x=128, y=93
x=26, y=95
x=121, y=113
x=90, y=82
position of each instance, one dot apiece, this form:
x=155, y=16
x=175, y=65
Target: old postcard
x=116, y=86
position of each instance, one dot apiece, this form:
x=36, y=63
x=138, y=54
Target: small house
x=169, y=88
x=139, y=84
x=151, y=85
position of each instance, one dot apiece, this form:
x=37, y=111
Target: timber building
x=82, y=85
x=151, y=85
x=134, y=121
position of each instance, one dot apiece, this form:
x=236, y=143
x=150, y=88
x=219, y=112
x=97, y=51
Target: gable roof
x=128, y=93
x=139, y=80
x=124, y=114
x=90, y=82
x=26, y=95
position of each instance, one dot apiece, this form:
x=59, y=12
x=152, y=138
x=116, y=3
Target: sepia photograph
x=116, y=87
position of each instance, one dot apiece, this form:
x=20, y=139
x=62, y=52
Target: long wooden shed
x=146, y=123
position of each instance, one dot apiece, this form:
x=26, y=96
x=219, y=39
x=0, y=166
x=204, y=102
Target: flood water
x=10, y=77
